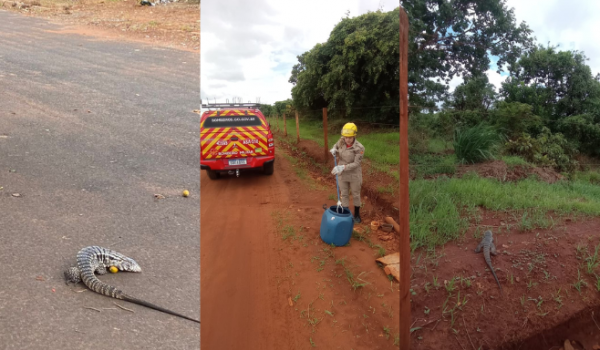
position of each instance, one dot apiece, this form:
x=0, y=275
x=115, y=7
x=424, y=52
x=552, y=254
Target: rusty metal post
x=405, y=317
x=297, y=128
x=284, y=126
x=325, y=134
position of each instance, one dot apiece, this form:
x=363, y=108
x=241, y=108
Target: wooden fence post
x=325, y=134
x=284, y=126
x=404, y=212
x=297, y=129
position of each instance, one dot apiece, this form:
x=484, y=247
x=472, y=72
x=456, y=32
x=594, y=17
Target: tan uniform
x=351, y=177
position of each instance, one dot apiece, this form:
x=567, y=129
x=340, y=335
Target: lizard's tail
x=92, y=282
x=152, y=306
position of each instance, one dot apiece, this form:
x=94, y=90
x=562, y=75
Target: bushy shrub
x=469, y=118
x=476, y=144
x=584, y=130
x=526, y=147
x=515, y=118
x=547, y=149
x=433, y=124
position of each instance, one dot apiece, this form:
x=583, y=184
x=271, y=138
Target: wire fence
x=306, y=129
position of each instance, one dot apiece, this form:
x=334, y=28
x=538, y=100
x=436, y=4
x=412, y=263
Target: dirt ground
x=269, y=282
x=456, y=303
x=537, y=270
x=378, y=203
x=175, y=25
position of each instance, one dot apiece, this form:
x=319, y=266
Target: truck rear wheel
x=269, y=168
x=213, y=175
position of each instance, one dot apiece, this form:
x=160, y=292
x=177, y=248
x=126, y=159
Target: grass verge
x=440, y=210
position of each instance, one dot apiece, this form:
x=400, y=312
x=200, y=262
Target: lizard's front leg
x=478, y=249
x=73, y=275
x=101, y=270
x=493, y=250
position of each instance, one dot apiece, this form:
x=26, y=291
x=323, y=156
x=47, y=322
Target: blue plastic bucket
x=336, y=226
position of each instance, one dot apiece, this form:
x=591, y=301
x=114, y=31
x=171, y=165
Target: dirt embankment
x=498, y=169
x=175, y=24
x=382, y=189
x=549, y=292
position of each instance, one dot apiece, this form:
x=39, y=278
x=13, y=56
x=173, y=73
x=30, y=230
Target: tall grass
x=440, y=209
x=431, y=164
x=476, y=144
x=438, y=145
x=309, y=130
x=383, y=150
x=589, y=176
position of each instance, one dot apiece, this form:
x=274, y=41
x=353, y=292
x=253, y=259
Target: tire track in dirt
x=239, y=262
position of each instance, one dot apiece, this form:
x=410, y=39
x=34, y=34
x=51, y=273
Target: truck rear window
x=232, y=121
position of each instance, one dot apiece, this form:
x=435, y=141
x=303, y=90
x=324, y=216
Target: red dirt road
x=261, y=252
x=236, y=260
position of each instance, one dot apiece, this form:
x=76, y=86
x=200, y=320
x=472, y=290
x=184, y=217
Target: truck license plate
x=237, y=162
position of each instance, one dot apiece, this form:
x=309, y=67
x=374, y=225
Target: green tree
x=475, y=93
x=281, y=107
x=266, y=109
x=356, y=68
x=456, y=37
x=470, y=101
x=557, y=84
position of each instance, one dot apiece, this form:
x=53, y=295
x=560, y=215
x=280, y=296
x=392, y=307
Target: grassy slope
x=440, y=210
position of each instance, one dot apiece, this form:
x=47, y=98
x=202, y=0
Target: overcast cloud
x=571, y=24
x=249, y=46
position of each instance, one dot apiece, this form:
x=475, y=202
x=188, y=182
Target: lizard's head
x=126, y=264
x=488, y=233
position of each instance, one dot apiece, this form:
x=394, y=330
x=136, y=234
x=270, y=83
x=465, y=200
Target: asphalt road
x=90, y=130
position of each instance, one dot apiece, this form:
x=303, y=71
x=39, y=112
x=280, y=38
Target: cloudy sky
x=571, y=24
x=249, y=46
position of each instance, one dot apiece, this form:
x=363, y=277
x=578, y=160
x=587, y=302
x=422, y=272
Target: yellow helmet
x=349, y=130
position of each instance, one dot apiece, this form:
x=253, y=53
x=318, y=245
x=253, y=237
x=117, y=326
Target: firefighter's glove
x=338, y=169
x=333, y=151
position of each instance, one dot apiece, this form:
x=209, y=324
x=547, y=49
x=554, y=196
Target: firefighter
x=350, y=153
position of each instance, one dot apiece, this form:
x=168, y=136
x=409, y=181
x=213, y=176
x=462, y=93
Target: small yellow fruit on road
x=186, y=193
x=113, y=269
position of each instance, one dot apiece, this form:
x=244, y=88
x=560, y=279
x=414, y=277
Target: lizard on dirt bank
x=96, y=259
x=487, y=243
